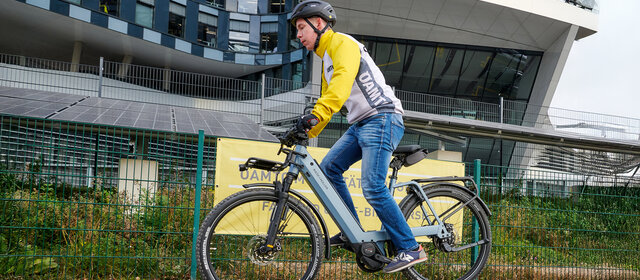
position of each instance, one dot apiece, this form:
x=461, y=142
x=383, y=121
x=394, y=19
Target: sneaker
x=406, y=260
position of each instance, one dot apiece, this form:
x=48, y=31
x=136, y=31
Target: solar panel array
x=95, y=110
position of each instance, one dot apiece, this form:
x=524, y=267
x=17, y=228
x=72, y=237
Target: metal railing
x=93, y=201
x=274, y=102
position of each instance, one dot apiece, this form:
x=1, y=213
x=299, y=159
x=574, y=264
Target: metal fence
x=82, y=201
x=274, y=102
x=549, y=225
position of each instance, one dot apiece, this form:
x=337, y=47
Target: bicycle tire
x=233, y=230
x=449, y=265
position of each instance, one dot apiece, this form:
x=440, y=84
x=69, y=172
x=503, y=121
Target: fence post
x=476, y=234
x=196, y=207
x=100, y=76
x=262, y=87
x=501, y=109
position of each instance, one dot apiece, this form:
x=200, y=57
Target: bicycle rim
x=238, y=230
x=468, y=223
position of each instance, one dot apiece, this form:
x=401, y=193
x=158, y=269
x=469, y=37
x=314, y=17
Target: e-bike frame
x=301, y=162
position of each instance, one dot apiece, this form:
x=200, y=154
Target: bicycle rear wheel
x=469, y=224
x=230, y=237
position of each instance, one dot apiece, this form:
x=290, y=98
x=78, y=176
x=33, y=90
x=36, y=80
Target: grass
x=49, y=230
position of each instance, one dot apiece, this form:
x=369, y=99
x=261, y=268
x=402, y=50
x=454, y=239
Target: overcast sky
x=602, y=74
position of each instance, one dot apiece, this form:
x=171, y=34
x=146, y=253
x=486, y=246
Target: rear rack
x=443, y=179
x=465, y=180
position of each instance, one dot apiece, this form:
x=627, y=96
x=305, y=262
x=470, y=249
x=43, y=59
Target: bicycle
x=269, y=231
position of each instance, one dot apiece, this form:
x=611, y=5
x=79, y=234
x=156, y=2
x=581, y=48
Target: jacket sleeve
x=345, y=55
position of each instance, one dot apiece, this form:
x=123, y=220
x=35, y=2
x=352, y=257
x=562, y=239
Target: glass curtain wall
x=475, y=73
x=461, y=72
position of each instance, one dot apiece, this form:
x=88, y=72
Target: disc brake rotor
x=258, y=256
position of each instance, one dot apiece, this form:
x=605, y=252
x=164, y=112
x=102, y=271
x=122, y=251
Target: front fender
x=316, y=212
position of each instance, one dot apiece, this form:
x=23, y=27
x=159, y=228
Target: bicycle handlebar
x=294, y=136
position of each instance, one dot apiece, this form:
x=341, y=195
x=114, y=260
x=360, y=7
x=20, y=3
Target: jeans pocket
x=397, y=130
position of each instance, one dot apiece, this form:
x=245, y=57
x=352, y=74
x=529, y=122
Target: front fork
x=280, y=212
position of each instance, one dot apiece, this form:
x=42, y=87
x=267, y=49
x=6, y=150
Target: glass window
x=294, y=43
x=276, y=6
x=176, y=25
x=207, y=34
x=473, y=73
x=501, y=74
x=77, y=2
x=269, y=37
x=527, y=71
x=418, y=64
x=268, y=42
x=207, y=29
x=237, y=25
x=216, y=3
x=110, y=7
x=248, y=6
x=144, y=14
x=389, y=57
x=176, y=9
x=446, y=69
x=238, y=46
x=296, y=74
x=238, y=41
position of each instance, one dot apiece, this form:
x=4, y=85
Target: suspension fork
x=280, y=212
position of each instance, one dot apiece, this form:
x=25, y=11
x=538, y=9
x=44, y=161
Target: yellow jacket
x=350, y=78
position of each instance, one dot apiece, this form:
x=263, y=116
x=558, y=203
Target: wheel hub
x=260, y=255
x=451, y=240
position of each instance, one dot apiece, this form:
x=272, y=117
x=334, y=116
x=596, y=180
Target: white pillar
x=124, y=67
x=167, y=79
x=551, y=66
x=77, y=54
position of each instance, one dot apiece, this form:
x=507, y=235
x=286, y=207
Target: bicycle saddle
x=406, y=150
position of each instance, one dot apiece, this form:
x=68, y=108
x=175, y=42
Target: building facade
x=472, y=52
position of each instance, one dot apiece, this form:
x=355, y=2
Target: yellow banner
x=232, y=152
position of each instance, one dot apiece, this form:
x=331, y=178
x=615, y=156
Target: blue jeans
x=373, y=140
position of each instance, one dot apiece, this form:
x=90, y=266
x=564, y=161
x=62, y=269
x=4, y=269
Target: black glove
x=307, y=122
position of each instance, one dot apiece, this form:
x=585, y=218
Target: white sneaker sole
x=407, y=265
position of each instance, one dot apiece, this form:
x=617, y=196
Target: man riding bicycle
x=350, y=78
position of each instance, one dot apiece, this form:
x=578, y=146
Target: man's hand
x=307, y=122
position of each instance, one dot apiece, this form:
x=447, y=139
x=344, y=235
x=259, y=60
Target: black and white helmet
x=317, y=8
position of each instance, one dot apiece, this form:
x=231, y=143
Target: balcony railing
x=275, y=102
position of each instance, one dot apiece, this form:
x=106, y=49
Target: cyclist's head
x=314, y=8
x=308, y=10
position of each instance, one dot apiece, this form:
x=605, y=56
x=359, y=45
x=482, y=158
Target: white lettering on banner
x=264, y=176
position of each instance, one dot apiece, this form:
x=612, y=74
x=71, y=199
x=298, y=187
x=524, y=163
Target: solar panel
x=95, y=110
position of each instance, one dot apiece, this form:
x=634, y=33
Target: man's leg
x=379, y=136
x=344, y=153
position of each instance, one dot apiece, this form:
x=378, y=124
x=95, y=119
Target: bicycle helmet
x=314, y=8
x=311, y=8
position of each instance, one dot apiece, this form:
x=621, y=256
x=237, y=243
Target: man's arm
x=345, y=55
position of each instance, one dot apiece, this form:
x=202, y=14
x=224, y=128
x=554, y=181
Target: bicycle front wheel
x=230, y=238
x=468, y=223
